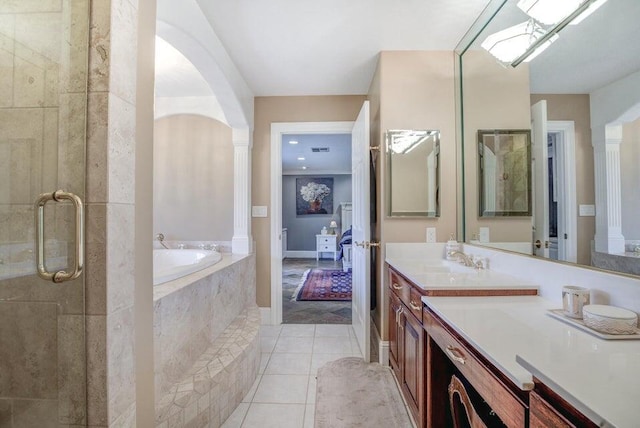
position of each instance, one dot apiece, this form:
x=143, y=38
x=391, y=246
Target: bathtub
x=172, y=264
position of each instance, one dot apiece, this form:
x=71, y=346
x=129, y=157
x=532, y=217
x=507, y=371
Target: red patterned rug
x=324, y=284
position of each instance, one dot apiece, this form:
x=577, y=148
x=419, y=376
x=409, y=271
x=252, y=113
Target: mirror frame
x=431, y=133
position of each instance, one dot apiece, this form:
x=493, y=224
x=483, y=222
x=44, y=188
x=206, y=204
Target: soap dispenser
x=452, y=245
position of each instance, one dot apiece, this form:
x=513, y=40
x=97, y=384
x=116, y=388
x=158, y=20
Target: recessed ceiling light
x=301, y=158
x=304, y=167
x=293, y=142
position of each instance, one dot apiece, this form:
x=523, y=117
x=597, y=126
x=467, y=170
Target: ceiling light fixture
x=523, y=42
x=293, y=142
x=304, y=167
x=301, y=158
x=552, y=12
x=509, y=44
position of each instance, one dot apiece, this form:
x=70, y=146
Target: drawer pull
x=455, y=354
x=399, y=322
x=396, y=286
x=414, y=305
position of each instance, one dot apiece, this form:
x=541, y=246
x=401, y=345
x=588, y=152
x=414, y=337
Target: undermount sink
x=436, y=266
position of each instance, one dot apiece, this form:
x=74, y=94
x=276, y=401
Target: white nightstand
x=327, y=244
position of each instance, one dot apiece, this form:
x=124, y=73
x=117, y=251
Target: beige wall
x=575, y=107
x=193, y=179
x=413, y=90
x=284, y=109
x=494, y=97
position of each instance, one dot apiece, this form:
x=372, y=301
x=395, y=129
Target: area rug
x=351, y=393
x=324, y=285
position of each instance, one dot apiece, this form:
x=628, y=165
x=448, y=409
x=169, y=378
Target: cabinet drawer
x=326, y=248
x=326, y=240
x=507, y=406
x=542, y=415
x=400, y=287
x=415, y=303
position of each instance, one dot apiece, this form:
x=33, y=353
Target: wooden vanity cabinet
x=407, y=343
x=487, y=383
x=548, y=409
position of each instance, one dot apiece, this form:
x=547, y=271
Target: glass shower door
x=43, y=99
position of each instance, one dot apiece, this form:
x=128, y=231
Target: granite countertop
x=601, y=378
x=440, y=274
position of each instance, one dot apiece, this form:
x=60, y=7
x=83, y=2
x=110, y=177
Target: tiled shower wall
x=111, y=127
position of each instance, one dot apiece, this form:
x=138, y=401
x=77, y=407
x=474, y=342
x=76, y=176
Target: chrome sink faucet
x=462, y=258
x=160, y=238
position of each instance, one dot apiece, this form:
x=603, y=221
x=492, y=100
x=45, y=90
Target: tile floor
x=294, y=312
x=283, y=395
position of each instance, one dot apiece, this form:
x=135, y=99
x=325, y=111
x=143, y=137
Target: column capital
x=241, y=137
x=613, y=134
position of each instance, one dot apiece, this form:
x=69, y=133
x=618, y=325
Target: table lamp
x=332, y=227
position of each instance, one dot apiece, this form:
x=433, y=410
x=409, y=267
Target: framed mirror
x=413, y=161
x=581, y=98
x=504, y=172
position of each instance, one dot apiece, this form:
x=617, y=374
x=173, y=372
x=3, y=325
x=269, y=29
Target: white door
x=361, y=230
x=540, y=179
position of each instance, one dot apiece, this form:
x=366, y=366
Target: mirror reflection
x=413, y=165
x=580, y=96
x=504, y=159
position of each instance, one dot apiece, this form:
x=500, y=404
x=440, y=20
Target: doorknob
x=538, y=244
x=368, y=244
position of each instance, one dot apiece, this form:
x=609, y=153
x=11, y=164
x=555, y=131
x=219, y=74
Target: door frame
x=278, y=129
x=566, y=148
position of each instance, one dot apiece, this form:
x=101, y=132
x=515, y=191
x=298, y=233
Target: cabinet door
x=412, y=363
x=394, y=309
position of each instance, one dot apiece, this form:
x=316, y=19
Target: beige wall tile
x=71, y=370
x=28, y=359
x=71, y=143
x=97, y=147
x=27, y=6
x=121, y=155
x=120, y=362
x=127, y=419
x=124, y=28
x=5, y=413
x=96, y=259
x=99, y=46
x=96, y=331
x=6, y=60
x=119, y=255
x=35, y=413
x=73, y=61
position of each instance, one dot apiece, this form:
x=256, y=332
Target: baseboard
x=265, y=316
x=300, y=254
x=383, y=346
x=383, y=353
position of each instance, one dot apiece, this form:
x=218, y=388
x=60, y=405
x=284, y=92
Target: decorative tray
x=558, y=313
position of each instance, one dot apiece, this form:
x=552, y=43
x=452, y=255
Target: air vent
x=320, y=149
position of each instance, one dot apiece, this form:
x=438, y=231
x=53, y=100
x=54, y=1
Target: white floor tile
x=319, y=360
x=286, y=363
x=311, y=390
x=274, y=416
x=332, y=345
x=298, y=330
x=270, y=330
x=290, y=389
x=249, y=397
x=355, y=348
x=264, y=360
x=294, y=344
x=332, y=330
x=309, y=415
x=267, y=343
x=236, y=418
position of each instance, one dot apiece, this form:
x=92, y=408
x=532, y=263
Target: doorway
x=316, y=198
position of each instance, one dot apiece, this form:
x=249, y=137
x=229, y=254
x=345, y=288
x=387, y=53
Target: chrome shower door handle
x=59, y=276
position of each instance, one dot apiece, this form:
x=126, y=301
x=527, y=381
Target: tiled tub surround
x=208, y=319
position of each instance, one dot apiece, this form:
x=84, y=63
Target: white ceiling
x=176, y=76
x=330, y=47
x=336, y=161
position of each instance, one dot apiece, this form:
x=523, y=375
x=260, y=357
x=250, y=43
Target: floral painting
x=314, y=195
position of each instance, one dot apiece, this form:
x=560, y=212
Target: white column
x=606, y=153
x=242, y=241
